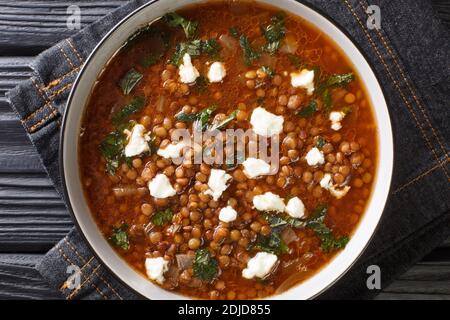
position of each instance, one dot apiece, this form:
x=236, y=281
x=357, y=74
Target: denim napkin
x=411, y=57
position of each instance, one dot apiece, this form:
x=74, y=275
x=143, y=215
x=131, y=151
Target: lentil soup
x=232, y=230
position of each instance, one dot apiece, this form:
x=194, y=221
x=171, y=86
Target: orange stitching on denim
x=65, y=55
x=71, y=263
x=86, y=281
x=74, y=50
x=47, y=103
x=59, y=91
x=57, y=81
x=33, y=127
x=408, y=83
x=411, y=110
x=84, y=261
x=422, y=175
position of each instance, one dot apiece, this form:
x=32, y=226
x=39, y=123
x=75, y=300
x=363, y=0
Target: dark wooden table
x=32, y=215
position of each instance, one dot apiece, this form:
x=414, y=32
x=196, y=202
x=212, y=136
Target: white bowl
x=71, y=127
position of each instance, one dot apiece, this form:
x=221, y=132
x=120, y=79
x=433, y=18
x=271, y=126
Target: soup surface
x=247, y=226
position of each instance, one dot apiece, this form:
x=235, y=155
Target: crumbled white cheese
x=260, y=265
x=336, y=117
x=137, y=142
x=326, y=184
x=172, y=151
x=268, y=202
x=160, y=187
x=295, y=208
x=188, y=73
x=255, y=167
x=216, y=72
x=339, y=193
x=315, y=157
x=303, y=79
x=227, y=214
x=265, y=123
x=156, y=267
x=217, y=183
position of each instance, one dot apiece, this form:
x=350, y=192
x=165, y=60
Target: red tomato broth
x=111, y=210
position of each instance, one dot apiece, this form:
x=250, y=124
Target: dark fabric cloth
x=411, y=57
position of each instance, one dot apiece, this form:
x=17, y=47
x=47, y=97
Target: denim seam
x=411, y=110
x=409, y=85
x=72, y=247
x=69, y=261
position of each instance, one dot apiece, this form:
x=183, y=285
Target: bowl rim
x=105, y=38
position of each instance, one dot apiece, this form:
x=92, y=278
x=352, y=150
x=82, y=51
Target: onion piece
x=290, y=44
x=125, y=191
x=228, y=42
x=288, y=235
x=160, y=104
x=184, y=261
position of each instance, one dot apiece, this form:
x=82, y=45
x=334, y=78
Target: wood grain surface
x=32, y=215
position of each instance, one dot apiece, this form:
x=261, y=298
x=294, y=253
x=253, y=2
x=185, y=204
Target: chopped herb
x=320, y=142
x=133, y=106
x=162, y=217
x=271, y=243
x=274, y=33
x=317, y=223
x=175, y=20
x=154, y=57
x=202, y=119
x=234, y=32
x=130, y=80
x=113, y=148
x=193, y=48
x=339, y=80
x=268, y=70
x=222, y=124
x=295, y=60
x=309, y=110
x=211, y=47
x=119, y=237
x=277, y=222
x=327, y=101
x=201, y=84
x=204, y=266
x=186, y=117
x=250, y=54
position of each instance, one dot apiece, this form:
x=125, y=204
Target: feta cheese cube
x=295, y=208
x=326, y=184
x=336, y=117
x=216, y=72
x=188, y=73
x=265, y=123
x=268, y=202
x=137, y=142
x=315, y=157
x=255, y=167
x=303, y=79
x=227, y=214
x=155, y=268
x=217, y=183
x=172, y=151
x=160, y=187
x=260, y=265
